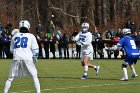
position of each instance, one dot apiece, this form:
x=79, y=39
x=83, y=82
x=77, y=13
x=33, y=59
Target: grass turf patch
x=63, y=76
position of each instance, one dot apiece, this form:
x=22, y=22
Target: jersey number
x=82, y=38
x=20, y=42
x=133, y=44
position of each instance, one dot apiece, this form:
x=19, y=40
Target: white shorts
x=86, y=53
x=20, y=68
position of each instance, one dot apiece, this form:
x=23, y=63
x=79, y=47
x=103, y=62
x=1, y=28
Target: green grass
x=63, y=76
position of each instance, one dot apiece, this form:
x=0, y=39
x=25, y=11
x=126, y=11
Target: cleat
x=134, y=75
x=97, y=69
x=84, y=77
x=124, y=79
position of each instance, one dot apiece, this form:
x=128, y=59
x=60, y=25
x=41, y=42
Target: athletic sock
x=7, y=86
x=85, y=74
x=125, y=73
x=86, y=68
x=37, y=84
x=133, y=71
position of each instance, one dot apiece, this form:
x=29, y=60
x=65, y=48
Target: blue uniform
x=129, y=45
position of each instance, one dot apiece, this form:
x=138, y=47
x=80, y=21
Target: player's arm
x=35, y=49
x=11, y=46
x=118, y=46
x=76, y=38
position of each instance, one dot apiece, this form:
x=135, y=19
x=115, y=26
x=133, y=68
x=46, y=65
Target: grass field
x=63, y=76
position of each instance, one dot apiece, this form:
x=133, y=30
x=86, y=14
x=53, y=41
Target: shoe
x=84, y=77
x=124, y=79
x=97, y=69
x=134, y=75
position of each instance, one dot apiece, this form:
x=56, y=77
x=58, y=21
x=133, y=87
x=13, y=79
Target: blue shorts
x=131, y=59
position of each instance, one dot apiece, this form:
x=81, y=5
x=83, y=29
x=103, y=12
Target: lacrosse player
x=25, y=52
x=132, y=53
x=84, y=39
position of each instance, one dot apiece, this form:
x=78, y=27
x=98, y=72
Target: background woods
x=68, y=14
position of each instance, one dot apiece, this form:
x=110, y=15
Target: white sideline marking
x=124, y=83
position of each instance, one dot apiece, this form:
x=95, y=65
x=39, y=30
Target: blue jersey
x=129, y=45
x=132, y=52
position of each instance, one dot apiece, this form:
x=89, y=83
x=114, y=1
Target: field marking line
x=123, y=83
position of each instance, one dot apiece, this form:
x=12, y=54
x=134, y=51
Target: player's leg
x=32, y=69
x=124, y=68
x=13, y=70
x=85, y=64
x=134, y=74
x=96, y=68
x=133, y=61
x=8, y=84
x=36, y=84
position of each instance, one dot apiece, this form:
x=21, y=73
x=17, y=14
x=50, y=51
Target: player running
x=24, y=48
x=132, y=53
x=84, y=39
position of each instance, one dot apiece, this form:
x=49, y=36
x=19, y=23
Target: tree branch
x=72, y=15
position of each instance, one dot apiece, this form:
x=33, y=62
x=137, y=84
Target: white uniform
x=86, y=47
x=21, y=46
x=24, y=48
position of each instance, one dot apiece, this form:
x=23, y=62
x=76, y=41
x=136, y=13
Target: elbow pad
x=36, y=52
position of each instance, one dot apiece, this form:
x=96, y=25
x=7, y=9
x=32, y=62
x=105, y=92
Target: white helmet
x=24, y=23
x=126, y=31
x=85, y=27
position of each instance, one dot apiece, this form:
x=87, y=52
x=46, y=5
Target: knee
x=124, y=66
x=82, y=64
x=11, y=78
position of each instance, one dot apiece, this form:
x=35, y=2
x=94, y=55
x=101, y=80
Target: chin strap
x=85, y=30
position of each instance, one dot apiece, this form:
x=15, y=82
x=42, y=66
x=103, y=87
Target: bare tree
x=69, y=14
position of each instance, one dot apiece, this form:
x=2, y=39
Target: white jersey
x=86, y=39
x=22, y=45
